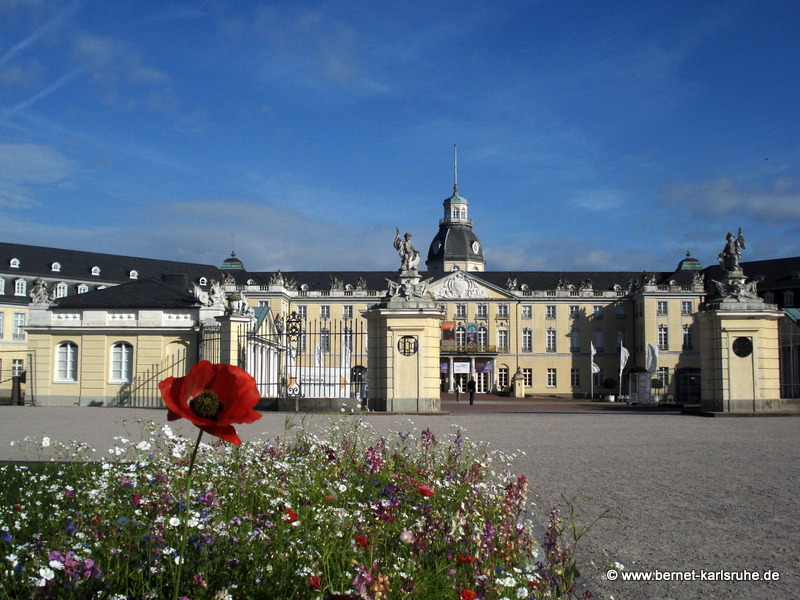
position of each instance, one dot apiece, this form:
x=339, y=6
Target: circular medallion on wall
x=407, y=345
x=742, y=347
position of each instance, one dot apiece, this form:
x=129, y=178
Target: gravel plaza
x=713, y=496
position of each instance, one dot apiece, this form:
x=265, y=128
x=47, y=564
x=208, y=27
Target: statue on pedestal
x=730, y=255
x=409, y=256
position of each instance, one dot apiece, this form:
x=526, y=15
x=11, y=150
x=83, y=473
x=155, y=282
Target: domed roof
x=455, y=243
x=690, y=264
x=232, y=263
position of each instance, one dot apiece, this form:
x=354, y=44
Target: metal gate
x=299, y=358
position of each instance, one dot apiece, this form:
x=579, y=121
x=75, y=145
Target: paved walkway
x=688, y=493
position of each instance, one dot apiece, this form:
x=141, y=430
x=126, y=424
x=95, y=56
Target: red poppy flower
x=468, y=595
x=465, y=558
x=425, y=491
x=315, y=582
x=291, y=516
x=213, y=397
x=361, y=541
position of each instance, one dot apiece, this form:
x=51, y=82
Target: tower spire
x=455, y=168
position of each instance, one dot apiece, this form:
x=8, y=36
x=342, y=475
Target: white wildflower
x=45, y=442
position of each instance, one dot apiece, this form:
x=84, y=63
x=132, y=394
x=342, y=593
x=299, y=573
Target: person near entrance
x=471, y=390
x=458, y=389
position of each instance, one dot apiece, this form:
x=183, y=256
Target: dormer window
x=132, y=275
x=203, y=281
x=83, y=288
x=20, y=287
x=14, y=263
x=96, y=271
x=251, y=282
x=61, y=289
x=55, y=267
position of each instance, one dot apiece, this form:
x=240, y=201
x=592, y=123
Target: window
x=83, y=288
x=574, y=341
x=483, y=335
x=302, y=311
x=17, y=367
x=620, y=338
x=574, y=311
x=61, y=289
x=575, y=377
x=96, y=271
x=502, y=377
x=661, y=307
x=2, y=286
x=325, y=311
x=461, y=335
x=502, y=339
x=597, y=312
x=527, y=339
x=663, y=337
x=347, y=311
x=202, y=280
x=598, y=378
x=121, y=362
x=788, y=299
x=769, y=297
x=55, y=267
x=663, y=376
x=686, y=307
x=2, y=327
x=67, y=362
x=325, y=340
x=552, y=380
x=502, y=311
x=135, y=275
x=621, y=311
x=687, y=337
x=461, y=311
x=18, y=332
x=550, y=340
x=527, y=377
x=482, y=311
x=14, y=263
x=20, y=287
x=598, y=340
x=550, y=311
x=527, y=311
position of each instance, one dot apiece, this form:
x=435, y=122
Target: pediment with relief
x=459, y=286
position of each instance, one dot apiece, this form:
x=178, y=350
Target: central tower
x=455, y=246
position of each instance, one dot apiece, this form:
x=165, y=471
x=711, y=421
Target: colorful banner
x=448, y=331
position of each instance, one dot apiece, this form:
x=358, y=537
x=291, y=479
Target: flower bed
x=342, y=513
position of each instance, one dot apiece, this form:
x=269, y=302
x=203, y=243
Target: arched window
x=20, y=287
x=788, y=299
x=14, y=263
x=461, y=335
x=483, y=336
x=121, y=362
x=83, y=288
x=61, y=289
x=203, y=281
x=769, y=298
x=133, y=274
x=96, y=271
x=67, y=362
x=56, y=267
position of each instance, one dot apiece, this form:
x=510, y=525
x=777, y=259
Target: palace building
x=91, y=328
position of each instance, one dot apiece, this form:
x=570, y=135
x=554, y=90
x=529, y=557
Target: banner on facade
x=448, y=331
x=460, y=367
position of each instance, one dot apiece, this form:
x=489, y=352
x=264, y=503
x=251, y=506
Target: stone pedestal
x=403, y=349
x=231, y=327
x=739, y=356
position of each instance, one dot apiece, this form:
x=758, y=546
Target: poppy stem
x=185, y=519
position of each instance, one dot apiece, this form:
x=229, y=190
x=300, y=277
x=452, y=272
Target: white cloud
x=25, y=168
x=725, y=196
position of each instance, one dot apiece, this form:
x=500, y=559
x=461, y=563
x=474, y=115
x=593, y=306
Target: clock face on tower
x=476, y=247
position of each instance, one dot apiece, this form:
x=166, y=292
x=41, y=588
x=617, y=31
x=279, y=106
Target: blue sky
x=591, y=135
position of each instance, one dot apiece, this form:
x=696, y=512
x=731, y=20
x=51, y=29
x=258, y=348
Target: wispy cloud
x=65, y=12
x=727, y=196
x=26, y=168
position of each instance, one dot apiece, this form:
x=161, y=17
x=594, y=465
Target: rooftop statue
x=730, y=255
x=409, y=257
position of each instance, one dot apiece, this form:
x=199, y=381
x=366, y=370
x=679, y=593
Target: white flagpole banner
x=623, y=359
x=652, y=358
x=595, y=368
